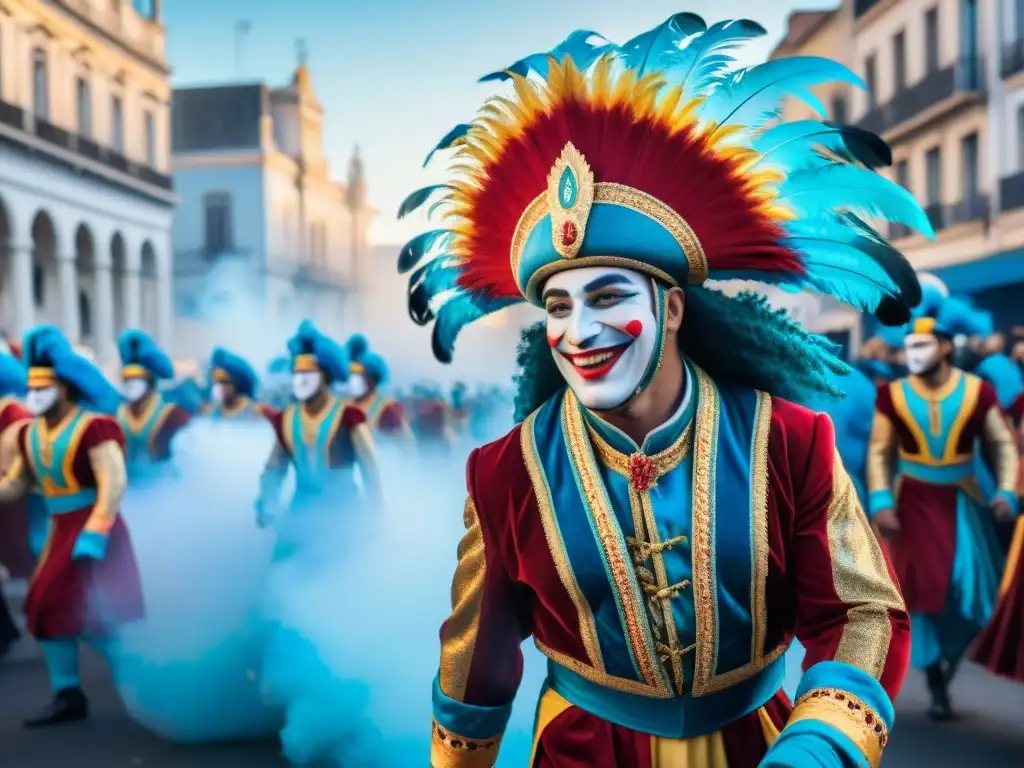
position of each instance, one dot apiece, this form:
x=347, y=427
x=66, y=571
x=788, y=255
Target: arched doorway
x=150, y=295
x=85, y=270
x=44, y=269
x=118, y=275
x=8, y=321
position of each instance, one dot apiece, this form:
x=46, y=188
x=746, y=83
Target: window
x=150, y=139
x=933, y=176
x=84, y=103
x=899, y=62
x=38, y=286
x=970, y=170
x=145, y=8
x=871, y=80
x=40, y=91
x=838, y=111
x=1018, y=20
x=117, y=125
x=903, y=174
x=969, y=28
x=84, y=314
x=220, y=236
x=931, y=40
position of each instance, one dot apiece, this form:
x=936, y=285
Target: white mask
x=217, y=393
x=357, y=386
x=603, y=332
x=922, y=352
x=39, y=401
x=134, y=389
x=305, y=384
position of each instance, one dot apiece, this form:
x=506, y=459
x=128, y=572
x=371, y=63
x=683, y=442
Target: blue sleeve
x=879, y=500
x=469, y=720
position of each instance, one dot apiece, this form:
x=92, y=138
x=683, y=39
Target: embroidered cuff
x=450, y=750
x=465, y=735
x=879, y=500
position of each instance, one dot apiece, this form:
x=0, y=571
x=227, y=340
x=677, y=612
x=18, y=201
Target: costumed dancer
x=149, y=421
x=16, y=556
x=233, y=388
x=86, y=587
x=368, y=375
x=664, y=519
x=939, y=527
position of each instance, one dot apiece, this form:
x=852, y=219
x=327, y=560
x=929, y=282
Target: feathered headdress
x=226, y=366
x=365, y=361
x=141, y=356
x=311, y=351
x=656, y=156
x=50, y=358
x=13, y=376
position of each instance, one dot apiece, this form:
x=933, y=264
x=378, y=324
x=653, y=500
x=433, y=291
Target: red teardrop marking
x=568, y=232
x=634, y=328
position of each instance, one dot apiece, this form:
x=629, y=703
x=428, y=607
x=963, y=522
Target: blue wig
x=46, y=347
x=13, y=377
x=1004, y=375
x=138, y=348
x=375, y=367
x=357, y=347
x=330, y=356
x=241, y=373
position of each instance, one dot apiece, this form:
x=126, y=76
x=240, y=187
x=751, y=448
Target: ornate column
x=22, y=292
x=67, y=282
x=164, y=295
x=103, y=313
x=131, y=284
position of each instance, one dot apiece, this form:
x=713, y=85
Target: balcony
x=1011, y=192
x=963, y=78
x=1012, y=60
x=973, y=207
x=84, y=151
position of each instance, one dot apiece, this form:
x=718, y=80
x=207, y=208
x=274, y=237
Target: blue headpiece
x=356, y=346
x=141, y=357
x=311, y=351
x=49, y=356
x=186, y=394
x=13, y=376
x=653, y=156
x=364, y=361
x=940, y=314
x=279, y=364
x=1004, y=375
x=224, y=364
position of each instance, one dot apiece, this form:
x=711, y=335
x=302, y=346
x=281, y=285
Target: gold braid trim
x=449, y=750
x=848, y=715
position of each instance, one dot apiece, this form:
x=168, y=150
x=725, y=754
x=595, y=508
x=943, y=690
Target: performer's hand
x=1001, y=510
x=887, y=523
x=89, y=545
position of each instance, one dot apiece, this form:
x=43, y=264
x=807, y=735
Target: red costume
x=15, y=553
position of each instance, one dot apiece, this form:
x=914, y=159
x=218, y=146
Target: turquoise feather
x=419, y=246
x=578, y=46
x=703, y=61
x=788, y=146
x=838, y=187
x=458, y=312
x=456, y=133
x=429, y=281
x=418, y=198
x=754, y=95
x=653, y=49
x=957, y=316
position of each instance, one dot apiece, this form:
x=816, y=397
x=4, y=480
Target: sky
x=394, y=76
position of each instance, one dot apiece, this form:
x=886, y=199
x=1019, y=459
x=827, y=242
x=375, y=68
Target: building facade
x=86, y=199
x=264, y=235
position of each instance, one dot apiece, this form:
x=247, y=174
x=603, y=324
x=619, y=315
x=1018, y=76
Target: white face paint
x=922, y=352
x=602, y=331
x=39, y=401
x=357, y=386
x=306, y=384
x=134, y=389
x=217, y=393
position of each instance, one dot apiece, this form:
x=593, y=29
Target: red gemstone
x=569, y=232
x=641, y=471
x=869, y=718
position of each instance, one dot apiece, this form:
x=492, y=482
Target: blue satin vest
x=310, y=449
x=53, y=463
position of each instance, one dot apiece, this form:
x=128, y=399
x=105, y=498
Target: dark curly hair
x=739, y=340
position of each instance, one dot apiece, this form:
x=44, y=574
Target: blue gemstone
x=568, y=189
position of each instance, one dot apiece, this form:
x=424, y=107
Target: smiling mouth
x=595, y=363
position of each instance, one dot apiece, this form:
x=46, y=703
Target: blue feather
x=13, y=376
x=932, y=299
x=1004, y=375
x=793, y=146
x=653, y=49
x=578, y=46
x=956, y=316
x=426, y=283
x=844, y=271
x=418, y=198
x=818, y=192
x=704, y=59
x=753, y=95
x=449, y=140
x=418, y=247
x=458, y=312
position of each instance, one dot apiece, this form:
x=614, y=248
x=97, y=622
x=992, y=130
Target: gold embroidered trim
x=595, y=494
x=849, y=715
x=664, y=461
x=934, y=399
x=450, y=750
x=759, y=514
x=602, y=678
x=556, y=546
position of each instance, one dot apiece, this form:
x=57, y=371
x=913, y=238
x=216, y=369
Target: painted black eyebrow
x=555, y=293
x=604, y=281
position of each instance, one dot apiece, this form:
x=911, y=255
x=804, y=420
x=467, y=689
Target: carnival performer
x=664, y=520
x=87, y=585
x=16, y=558
x=939, y=527
x=368, y=375
x=150, y=423
x=233, y=387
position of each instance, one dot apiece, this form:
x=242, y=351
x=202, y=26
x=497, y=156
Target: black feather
x=441, y=354
x=418, y=300
x=865, y=147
